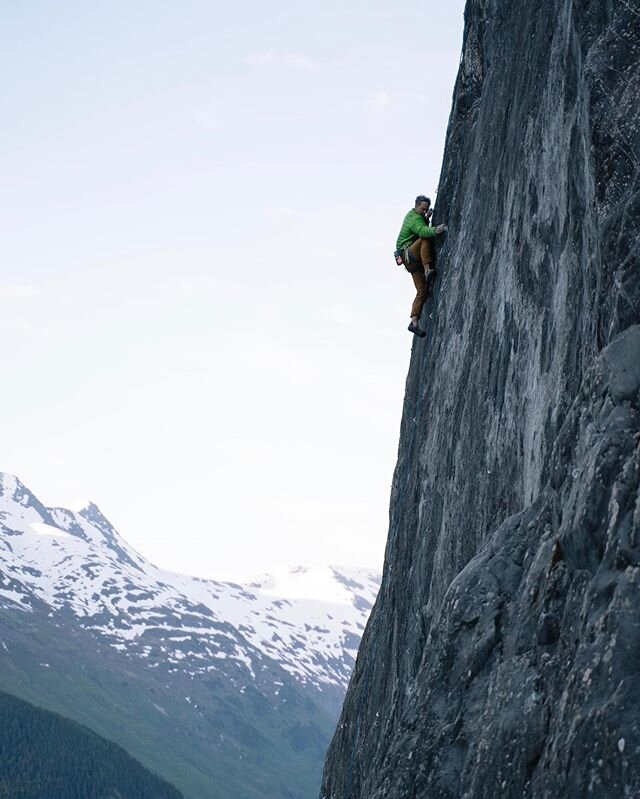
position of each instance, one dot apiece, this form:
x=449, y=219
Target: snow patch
x=47, y=529
x=309, y=620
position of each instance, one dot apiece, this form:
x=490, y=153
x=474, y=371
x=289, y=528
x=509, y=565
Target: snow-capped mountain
x=226, y=689
x=308, y=620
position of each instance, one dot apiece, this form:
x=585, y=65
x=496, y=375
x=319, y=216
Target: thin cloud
x=15, y=290
x=378, y=101
x=297, y=61
x=22, y=327
x=260, y=59
x=208, y=120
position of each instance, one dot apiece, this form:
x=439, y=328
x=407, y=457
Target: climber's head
x=422, y=204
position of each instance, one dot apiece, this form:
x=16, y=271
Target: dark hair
x=422, y=199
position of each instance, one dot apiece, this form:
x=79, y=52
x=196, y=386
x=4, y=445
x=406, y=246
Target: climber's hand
x=441, y=229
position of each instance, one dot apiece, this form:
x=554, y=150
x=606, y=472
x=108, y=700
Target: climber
x=414, y=249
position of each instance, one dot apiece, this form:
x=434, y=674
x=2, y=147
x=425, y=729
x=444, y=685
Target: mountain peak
x=79, y=505
x=92, y=513
x=10, y=486
x=13, y=490
x=306, y=619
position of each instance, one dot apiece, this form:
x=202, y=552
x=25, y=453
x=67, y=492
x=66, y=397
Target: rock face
x=502, y=657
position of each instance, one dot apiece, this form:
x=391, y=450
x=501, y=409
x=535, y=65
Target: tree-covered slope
x=43, y=755
x=204, y=736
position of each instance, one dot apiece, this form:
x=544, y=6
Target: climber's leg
x=425, y=253
x=422, y=292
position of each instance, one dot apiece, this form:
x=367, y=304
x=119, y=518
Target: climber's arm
x=420, y=228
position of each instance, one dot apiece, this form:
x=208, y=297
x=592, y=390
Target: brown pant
x=420, y=262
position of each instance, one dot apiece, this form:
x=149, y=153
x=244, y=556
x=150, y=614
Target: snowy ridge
x=308, y=620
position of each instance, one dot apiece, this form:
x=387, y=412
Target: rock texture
x=502, y=657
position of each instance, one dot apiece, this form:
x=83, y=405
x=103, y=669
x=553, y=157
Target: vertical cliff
x=502, y=657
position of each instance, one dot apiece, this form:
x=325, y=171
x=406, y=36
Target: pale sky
x=203, y=327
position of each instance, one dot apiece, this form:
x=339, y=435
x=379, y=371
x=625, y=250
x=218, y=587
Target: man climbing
x=414, y=249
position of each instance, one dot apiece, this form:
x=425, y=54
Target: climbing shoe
x=430, y=277
x=416, y=330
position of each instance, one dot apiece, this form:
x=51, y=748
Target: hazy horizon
x=204, y=330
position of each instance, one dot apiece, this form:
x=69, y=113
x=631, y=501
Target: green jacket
x=413, y=228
